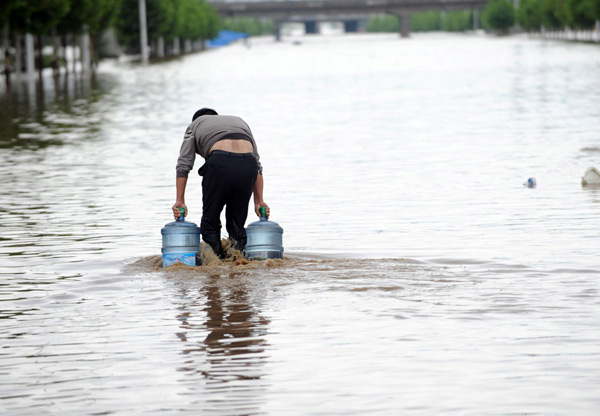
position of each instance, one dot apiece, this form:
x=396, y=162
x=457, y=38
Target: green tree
x=499, y=15
x=159, y=15
x=197, y=20
x=582, y=13
x=128, y=26
x=383, y=23
x=184, y=19
x=104, y=15
x=252, y=27
x=7, y=10
x=38, y=17
x=530, y=14
x=35, y=16
x=457, y=21
x=188, y=19
x=554, y=14
x=48, y=15
x=91, y=15
x=214, y=24
x=425, y=21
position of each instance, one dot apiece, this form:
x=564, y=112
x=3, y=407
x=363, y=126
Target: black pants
x=228, y=181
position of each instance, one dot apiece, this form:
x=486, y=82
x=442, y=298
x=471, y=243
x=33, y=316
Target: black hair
x=203, y=112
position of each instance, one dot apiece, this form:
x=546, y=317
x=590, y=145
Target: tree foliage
x=35, y=16
x=499, y=15
x=169, y=19
x=426, y=21
x=9, y=11
x=160, y=16
x=39, y=17
x=252, y=27
x=383, y=23
x=583, y=13
x=530, y=14
x=457, y=21
x=554, y=14
x=557, y=14
x=454, y=21
x=91, y=15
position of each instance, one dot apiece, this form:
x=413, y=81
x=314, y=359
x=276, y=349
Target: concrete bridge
x=311, y=11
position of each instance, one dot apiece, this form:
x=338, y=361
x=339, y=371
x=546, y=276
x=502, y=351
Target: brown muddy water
x=420, y=276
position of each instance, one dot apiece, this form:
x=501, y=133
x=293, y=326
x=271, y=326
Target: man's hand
x=176, y=212
x=258, y=205
x=180, y=199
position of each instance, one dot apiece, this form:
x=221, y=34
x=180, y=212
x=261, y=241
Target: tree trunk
x=85, y=51
x=5, y=45
x=93, y=57
x=74, y=49
x=29, y=55
x=63, y=41
x=40, y=54
x=55, y=52
x=18, y=54
x=160, y=47
x=96, y=46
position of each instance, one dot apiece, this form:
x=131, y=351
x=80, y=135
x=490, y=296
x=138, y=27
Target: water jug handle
x=263, y=213
x=182, y=212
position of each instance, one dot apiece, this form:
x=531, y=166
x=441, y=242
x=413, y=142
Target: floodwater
x=420, y=276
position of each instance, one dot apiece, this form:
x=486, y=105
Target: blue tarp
x=225, y=38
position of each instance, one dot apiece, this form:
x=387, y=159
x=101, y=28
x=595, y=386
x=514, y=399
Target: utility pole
x=143, y=32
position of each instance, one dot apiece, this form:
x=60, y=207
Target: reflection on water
x=44, y=112
x=420, y=275
x=223, y=336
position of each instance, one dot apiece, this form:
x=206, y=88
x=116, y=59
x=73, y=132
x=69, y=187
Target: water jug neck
x=263, y=213
x=182, y=212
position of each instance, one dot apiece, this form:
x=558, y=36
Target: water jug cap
x=263, y=213
x=182, y=212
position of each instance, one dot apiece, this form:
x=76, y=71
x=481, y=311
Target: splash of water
x=234, y=260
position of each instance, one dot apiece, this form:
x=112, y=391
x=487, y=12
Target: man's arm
x=185, y=163
x=180, y=200
x=258, y=196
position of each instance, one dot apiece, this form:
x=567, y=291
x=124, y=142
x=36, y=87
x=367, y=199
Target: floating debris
x=591, y=177
x=530, y=183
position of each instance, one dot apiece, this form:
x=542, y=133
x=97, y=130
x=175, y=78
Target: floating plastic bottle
x=264, y=239
x=530, y=183
x=181, y=242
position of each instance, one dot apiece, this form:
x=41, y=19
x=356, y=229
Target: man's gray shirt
x=204, y=132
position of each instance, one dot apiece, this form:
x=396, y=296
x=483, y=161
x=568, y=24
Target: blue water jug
x=265, y=239
x=181, y=242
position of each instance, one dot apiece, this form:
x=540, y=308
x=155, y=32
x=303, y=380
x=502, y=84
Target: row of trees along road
x=501, y=16
x=533, y=15
x=537, y=15
x=454, y=21
x=174, y=26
